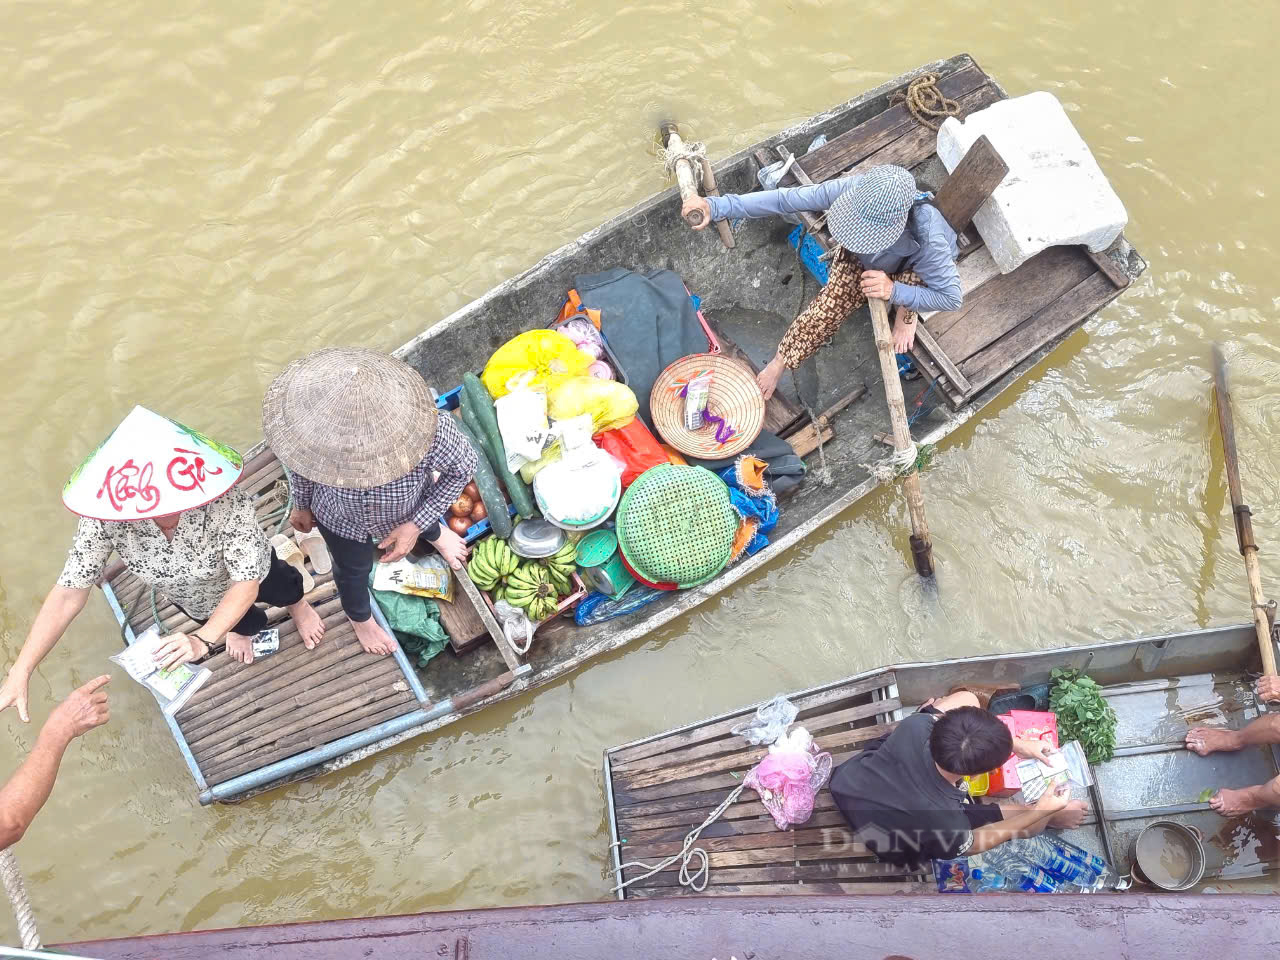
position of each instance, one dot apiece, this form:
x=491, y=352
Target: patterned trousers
x=819, y=321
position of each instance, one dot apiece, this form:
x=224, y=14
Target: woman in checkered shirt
x=371, y=465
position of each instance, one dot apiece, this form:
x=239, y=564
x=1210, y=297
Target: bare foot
x=767, y=379
x=372, y=637
x=310, y=626
x=240, y=647
x=1207, y=740
x=1233, y=803
x=1070, y=816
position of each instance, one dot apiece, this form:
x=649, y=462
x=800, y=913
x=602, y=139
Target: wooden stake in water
x=1241, y=512
x=921, y=543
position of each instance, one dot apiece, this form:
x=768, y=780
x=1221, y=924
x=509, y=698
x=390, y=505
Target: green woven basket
x=676, y=525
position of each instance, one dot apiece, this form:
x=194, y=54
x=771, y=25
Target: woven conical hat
x=150, y=466
x=349, y=417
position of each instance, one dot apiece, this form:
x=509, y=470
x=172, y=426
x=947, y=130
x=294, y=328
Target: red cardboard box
x=1024, y=725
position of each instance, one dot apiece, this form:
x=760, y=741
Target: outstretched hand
x=83, y=709
x=14, y=694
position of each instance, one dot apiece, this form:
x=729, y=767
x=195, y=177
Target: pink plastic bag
x=788, y=781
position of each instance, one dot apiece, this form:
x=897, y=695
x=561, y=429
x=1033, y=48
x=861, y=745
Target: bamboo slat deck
x=248, y=716
x=664, y=787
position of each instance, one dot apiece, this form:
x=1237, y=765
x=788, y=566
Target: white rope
x=686, y=853
x=17, y=891
x=693, y=152
x=903, y=459
x=899, y=463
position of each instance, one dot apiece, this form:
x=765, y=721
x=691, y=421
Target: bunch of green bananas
x=492, y=562
x=560, y=567
x=530, y=587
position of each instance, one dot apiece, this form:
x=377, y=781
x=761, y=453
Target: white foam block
x=1054, y=194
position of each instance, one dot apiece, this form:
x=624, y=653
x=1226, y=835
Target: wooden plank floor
x=664, y=787
x=1005, y=318
x=248, y=716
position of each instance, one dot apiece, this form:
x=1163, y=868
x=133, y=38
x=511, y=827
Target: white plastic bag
x=769, y=723
x=516, y=626
x=173, y=687
x=522, y=421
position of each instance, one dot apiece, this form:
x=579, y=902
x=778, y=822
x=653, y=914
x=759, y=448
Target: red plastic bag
x=635, y=446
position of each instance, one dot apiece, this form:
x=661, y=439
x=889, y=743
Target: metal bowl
x=1161, y=839
x=533, y=539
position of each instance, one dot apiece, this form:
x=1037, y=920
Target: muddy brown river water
x=193, y=194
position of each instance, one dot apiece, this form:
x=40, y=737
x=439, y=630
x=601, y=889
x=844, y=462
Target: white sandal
x=316, y=549
x=288, y=551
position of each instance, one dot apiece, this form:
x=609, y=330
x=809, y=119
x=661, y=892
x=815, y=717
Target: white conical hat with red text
x=151, y=466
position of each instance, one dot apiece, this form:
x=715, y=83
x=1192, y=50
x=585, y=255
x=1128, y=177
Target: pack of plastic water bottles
x=1043, y=864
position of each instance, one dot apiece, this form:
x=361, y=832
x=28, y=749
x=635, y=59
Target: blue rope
x=920, y=412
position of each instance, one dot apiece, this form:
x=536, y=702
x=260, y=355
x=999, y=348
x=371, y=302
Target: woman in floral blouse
x=162, y=497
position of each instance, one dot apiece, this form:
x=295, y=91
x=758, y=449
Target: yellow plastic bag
x=551, y=356
x=611, y=404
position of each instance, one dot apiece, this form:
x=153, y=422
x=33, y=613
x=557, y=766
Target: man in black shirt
x=905, y=797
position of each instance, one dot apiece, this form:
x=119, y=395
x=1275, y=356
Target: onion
x=601, y=370
x=459, y=525
x=462, y=506
x=479, y=512
x=472, y=491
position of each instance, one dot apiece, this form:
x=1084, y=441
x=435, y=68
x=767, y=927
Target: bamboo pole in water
x=921, y=543
x=1241, y=512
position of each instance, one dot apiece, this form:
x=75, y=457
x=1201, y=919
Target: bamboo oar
x=685, y=177
x=710, y=189
x=1240, y=510
x=921, y=543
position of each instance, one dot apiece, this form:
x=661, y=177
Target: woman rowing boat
x=162, y=497
x=894, y=246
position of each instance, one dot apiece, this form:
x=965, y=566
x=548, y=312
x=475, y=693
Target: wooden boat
x=661, y=787
x=1173, y=925
x=295, y=714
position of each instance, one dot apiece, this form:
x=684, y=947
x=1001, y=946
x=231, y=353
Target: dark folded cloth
x=648, y=320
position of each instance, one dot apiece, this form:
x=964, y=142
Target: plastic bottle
x=1024, y=875
x=989, y=881
x=1053, y=857
x=1081, y=856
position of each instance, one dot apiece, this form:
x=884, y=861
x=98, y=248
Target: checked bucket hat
x=871, y=215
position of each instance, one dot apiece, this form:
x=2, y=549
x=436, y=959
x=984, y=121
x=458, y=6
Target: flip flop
x=316, y=549
x=288, y=551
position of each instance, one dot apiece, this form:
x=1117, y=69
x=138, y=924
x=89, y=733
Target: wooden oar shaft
x=921, y=544
x=710, y=189
x=685, y=177
x=1240, y=512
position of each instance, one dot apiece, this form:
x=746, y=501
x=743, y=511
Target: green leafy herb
x=1206, y=794
x=1083, y=714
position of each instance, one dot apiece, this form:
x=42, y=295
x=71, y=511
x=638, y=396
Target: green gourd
x=480, y=404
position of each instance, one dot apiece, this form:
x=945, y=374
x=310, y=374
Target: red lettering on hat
x=187, y=474
x=129, y=481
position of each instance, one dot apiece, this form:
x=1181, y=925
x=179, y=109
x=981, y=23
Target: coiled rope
x=17, y=892
x=696, y=881
x=926, y=102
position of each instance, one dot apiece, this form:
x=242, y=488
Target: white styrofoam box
x=1055, y=192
